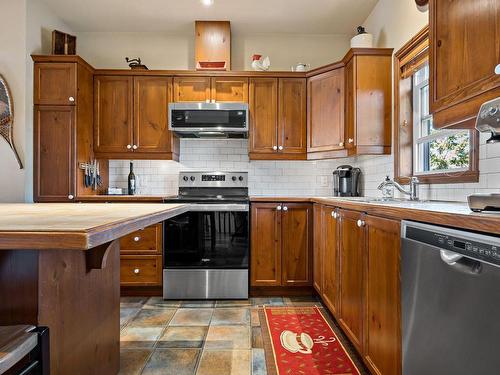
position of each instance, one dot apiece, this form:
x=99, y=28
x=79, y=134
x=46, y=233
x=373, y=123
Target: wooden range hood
x=213, y=45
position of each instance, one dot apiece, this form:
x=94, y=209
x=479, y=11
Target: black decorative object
x=361, y=30
x=135, y=63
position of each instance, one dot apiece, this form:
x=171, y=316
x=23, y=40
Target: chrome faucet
x=412, y=191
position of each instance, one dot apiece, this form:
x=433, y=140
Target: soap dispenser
x=388, y=188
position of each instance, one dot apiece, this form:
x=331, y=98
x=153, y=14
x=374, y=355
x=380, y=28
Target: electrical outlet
x=323, y=181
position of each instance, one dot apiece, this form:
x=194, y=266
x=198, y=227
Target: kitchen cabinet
x=325, y=122
x=351, y=294
x=382, y=348
x=318, y=243
x=277, y=118
x=265, y=268
x=141, y=257
x=55, y=84
x=62, y=127
x=281, y=244
x=296, y=234
x=462, y=58
x=211, y=89
x=131, y=118
x=54, y=154
x=229, y=89
x=368, y=101
x=330, y=258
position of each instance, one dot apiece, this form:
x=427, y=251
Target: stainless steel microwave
x=209, y=120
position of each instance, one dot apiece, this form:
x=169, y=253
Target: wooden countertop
x=451, y=214
x=76, y=226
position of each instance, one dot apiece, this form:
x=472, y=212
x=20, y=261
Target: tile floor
x=195, y=337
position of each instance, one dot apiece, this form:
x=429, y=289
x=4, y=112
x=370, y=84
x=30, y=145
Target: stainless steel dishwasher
x=450, y=301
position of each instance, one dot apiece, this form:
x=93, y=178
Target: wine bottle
x=131, y=180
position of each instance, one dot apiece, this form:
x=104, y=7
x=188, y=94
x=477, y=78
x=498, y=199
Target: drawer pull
x=71, y=99
x=137, y=270
x=334, y=214
x=361, y=223
x=137, y=238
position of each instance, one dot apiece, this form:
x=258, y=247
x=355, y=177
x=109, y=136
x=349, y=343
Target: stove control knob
x=192, y=178
x=233, y=178
x=240, y=178
x=185, y=178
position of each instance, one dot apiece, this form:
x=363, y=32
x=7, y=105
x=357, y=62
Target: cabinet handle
x=70, y=196
x=136, y=270
x=280, y=148
x=275, y=148
x=350, y=140
x=213, y=100
x=71, y=99
x=334, y=214
x=129, y=147
x=285, y=208
x=278, y=208
x=361, y=223
x=137, y=238
x=341, y=144
x=208, y=100
x=134, y=147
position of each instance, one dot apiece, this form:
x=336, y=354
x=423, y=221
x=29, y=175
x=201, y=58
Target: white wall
x=163, y=51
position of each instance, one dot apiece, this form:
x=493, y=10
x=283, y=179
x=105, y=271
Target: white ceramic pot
x=362, y=41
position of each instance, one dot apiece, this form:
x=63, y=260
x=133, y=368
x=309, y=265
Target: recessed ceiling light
x=207, y=3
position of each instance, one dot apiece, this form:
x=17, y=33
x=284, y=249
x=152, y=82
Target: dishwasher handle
x=461, y=263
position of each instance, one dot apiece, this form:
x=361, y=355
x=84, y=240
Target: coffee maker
x=346, y=181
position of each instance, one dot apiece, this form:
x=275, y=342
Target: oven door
x=208, y=236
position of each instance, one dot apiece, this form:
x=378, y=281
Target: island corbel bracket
x=96, y=257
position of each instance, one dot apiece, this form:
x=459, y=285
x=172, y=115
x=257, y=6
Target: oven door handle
x=218, y=207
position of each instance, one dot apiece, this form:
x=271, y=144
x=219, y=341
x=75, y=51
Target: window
x=433, y=155
x=435, y=151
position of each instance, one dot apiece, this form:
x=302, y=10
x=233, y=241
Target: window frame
x=404, y=133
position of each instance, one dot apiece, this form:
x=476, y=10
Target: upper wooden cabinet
x=368, y=104
x=229, y=89
x=113, y=114
x=463, y=55
x=325, y=122
x=55, y=84
x=192, y=89
x=131, y=118
x=277, y=118
x=281, y=244
x=211, y=89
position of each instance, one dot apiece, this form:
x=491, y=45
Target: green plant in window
x=449, y=152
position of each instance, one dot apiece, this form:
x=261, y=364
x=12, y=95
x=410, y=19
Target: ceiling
x=246, y=16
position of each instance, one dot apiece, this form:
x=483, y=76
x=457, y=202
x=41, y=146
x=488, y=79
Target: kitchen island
x=60, y=267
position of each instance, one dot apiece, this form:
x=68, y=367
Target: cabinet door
x=113, y=114
x=54, y=153
x=151, y=98
x=350, y=104
x=352, y=244
x=263, y=116
x=266, y=245
x=318, y=243
x=330, y=261
x=192, y=89
x=326, y=111
x=55, y=84
x=463, y=54
x=292, y=116
x=382, y=324
x=296, y=234
x=229, y=89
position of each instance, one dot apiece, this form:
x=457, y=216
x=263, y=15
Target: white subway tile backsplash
x=287, y=178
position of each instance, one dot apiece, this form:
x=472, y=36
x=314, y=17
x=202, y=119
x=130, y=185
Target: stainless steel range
x=206, y=249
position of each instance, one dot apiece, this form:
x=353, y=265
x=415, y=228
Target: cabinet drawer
x=144, y=241
x=140, y=270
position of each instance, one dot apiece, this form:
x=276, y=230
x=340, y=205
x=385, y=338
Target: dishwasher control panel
x=474, y=249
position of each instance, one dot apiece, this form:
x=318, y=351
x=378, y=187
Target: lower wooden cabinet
x=351, y=252
x=357, y=276
x=141, y=257
x=281, y=244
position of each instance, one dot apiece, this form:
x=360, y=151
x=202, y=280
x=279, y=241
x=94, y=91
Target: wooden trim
x=62, y=59
x=263, y=291
x=276, y=156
